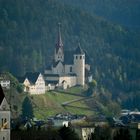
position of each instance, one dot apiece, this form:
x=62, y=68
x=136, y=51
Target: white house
x=4, y=117
x=34, y=83
x=69, y=68
x=5, y=83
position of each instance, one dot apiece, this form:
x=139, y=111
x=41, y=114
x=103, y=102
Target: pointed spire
x=59, y=43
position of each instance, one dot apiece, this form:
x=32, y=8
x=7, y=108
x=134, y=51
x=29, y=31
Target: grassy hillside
x=50, y=103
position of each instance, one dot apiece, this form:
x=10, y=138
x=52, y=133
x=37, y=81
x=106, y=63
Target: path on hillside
x=83, y=98
x=73, y=101
x=69, y=93
x=84, y=108
x=96, y=104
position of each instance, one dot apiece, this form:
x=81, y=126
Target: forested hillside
x=28, y=32
x=124, y=12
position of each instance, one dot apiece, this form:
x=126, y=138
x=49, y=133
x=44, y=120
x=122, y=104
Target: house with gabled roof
x=68, y=68
x=4, y=117
x=34, y=83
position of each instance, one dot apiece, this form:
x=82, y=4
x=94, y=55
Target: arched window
x=76, y=57
x=80, y=57
x=3, y=138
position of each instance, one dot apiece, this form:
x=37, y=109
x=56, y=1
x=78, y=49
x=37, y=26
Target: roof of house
x=32, y=77
x=21, y=79
x=1, y=95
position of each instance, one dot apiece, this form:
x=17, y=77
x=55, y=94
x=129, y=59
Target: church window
x=70, y=69
x=80, y=57
x=3, y=138
x=76, y=57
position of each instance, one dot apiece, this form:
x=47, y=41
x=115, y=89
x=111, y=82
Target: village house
x=4, y=117
x=4, y=81
x=33, y=83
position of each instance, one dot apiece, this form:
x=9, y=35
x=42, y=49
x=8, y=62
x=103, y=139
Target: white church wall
x=71, y=80
x=64, y=85
x=59, y=69
x=68, y=69
x=59, y=56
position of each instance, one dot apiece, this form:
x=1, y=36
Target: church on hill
x=68, y=68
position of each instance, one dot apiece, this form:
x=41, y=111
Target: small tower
x=79, y=65
x=4, y=117
x=59, y=53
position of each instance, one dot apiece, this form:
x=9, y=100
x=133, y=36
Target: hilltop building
x=4, y=117
x=68, y=68
x=34, y=83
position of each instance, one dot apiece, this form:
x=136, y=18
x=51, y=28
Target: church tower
x=59, y=52
x=4, y=117
x=79, y=65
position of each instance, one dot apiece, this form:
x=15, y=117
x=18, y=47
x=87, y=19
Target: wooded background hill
x=108, y=30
